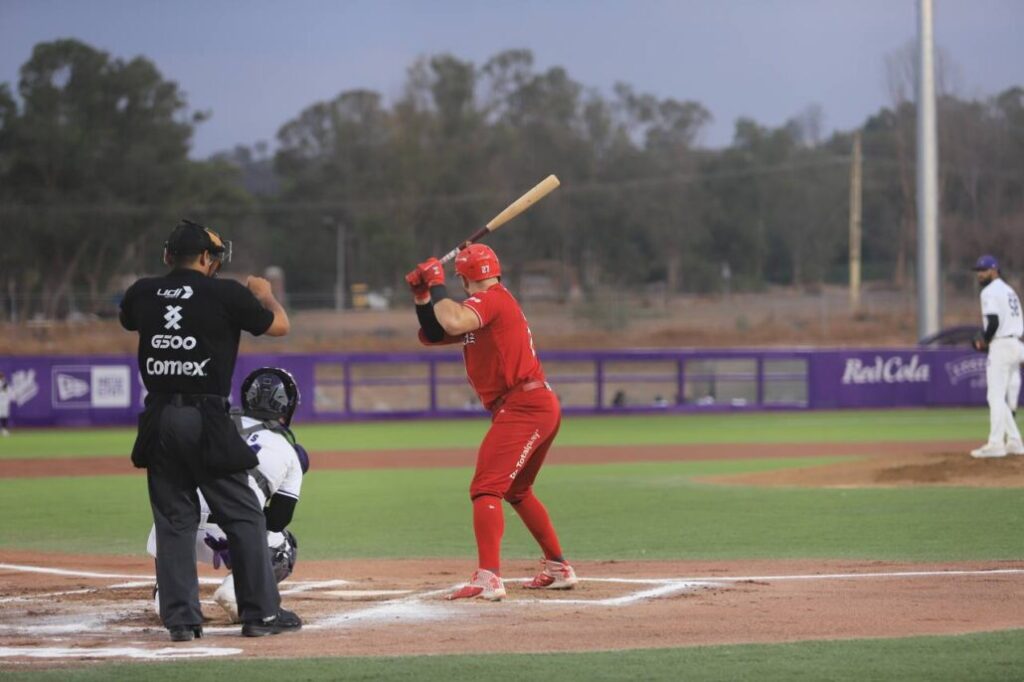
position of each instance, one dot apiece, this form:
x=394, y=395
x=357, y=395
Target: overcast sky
x=255, y=64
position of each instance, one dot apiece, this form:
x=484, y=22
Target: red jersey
x=500, y=354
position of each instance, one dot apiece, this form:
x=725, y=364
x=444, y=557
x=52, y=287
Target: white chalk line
x=306, y=586
x=855, y=576
x=665, y=590
x=360, y=594
x=61, y=571
x=45, y=595
x=142, y=580
x=164, y=653
x=415, y=607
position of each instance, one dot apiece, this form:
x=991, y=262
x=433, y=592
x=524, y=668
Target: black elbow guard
x=428, y=322
x=279, y=512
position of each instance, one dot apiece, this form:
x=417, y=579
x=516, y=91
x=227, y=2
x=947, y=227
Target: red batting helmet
x=477, y=262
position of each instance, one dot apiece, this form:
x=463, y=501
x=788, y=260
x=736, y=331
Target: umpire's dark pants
x=174, y=473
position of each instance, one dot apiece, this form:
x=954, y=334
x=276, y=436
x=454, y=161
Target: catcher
x=503, y=369
x=269, y=399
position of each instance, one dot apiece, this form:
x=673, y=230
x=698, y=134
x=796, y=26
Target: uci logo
x=183, y=292
x=163, y=341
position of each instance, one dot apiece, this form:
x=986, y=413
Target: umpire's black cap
x=190, y=238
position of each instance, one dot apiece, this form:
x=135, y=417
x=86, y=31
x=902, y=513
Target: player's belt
x=190, y=399
x=521, y=387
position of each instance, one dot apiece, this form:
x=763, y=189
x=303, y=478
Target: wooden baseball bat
x=541, y=190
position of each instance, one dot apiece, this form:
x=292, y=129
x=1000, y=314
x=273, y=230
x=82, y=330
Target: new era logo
x=71, y=387
x=173, y=317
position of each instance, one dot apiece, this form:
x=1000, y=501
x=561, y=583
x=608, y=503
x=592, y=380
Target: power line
x=570, y=189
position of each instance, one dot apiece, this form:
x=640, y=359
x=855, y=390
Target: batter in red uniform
x=503, y=369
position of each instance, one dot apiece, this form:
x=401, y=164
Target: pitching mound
x=63, y=610
x=892, y=470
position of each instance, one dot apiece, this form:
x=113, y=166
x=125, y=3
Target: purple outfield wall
x=107, y=390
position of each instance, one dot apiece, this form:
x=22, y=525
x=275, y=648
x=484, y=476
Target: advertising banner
x=108, y=390
x=897, y=378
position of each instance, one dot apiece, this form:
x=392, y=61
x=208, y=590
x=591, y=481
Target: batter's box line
x=864, y=576
x=664, y=589
x=297, y=585
x=424, y=606
x=89, y=653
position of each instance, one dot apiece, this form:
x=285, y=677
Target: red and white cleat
x=482, y=585
x=554, y=575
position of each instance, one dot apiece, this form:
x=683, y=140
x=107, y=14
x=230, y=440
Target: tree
x=94, y=155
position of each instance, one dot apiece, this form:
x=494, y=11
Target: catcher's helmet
x=192, y=238
x=477, y=262
x=270, y=393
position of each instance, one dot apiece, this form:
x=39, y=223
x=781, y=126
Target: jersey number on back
x=1014, y=305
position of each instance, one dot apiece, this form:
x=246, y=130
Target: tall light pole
x=929, y=283
x=855, y=228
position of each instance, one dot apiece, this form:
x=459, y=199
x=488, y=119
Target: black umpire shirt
x=188, y=327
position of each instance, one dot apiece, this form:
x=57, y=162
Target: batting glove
x=420, y=290
x=432, y=272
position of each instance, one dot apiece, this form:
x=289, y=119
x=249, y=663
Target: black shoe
x=185, y=633
x=284, y=621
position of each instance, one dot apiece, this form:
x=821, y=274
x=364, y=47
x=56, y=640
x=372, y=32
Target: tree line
x=95, y=170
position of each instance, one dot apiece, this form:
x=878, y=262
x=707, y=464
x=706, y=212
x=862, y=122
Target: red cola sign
x=895, y=369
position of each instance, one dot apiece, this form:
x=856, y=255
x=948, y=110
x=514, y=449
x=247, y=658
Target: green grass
x=649, y=510
x=775, y=427
x=987, y=656
x=622, y=511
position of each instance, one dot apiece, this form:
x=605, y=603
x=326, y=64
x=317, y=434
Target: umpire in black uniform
x=189, y=324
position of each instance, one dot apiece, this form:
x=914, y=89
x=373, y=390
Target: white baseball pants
x=1004, y=359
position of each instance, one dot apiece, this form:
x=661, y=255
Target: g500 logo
x=162, y=341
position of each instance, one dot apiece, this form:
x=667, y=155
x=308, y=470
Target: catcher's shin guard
x=284, y=555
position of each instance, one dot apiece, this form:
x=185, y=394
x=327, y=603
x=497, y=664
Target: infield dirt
x=396, y=607
x=739, y=601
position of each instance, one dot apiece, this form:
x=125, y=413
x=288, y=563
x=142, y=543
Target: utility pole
x=339, y=265
x=929, y=283
x=855, y=236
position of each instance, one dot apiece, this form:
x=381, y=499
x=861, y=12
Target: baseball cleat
x=1015, y=447
x=185, y=633
x=554, y=575
x=284, y=621
x=989, y=450
x=482, y=585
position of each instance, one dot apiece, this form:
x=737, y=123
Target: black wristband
x=438, y=292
